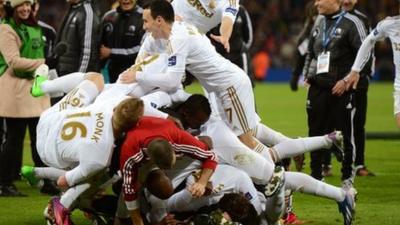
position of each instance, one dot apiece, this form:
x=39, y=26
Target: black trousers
x=11, y=154
x=327, y=113
x=360, y=118
x=2, y=132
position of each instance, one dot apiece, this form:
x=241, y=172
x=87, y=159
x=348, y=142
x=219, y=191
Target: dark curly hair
x=239, y=209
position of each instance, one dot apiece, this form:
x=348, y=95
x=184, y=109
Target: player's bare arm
x=226, y=32
x=197, y=189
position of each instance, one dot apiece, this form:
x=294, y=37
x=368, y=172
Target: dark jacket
x=80, y=31
x=343, y=47
x=366, y=72
x=50, y=37
x=122, y=31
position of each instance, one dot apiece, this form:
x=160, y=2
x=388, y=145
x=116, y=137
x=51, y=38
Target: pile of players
x=170, y=154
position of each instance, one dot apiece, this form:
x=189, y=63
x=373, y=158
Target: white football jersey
x=203, y=15
x=190, y=50
x=389, y=27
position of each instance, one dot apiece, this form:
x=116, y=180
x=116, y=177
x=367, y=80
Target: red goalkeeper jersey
x=134, y=148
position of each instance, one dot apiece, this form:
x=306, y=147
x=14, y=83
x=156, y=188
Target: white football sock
x=48, y=173
x=63, y=84
x=294, y=147
x=269, y=136
x=306, y=184
x=68, y=198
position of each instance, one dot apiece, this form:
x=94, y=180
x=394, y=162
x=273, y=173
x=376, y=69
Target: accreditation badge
x=323, y=62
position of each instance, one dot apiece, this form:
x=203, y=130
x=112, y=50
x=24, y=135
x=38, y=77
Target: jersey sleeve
x=231, y=10
x=131, y=156
x=365, y=49
x=172, y=78
x=381, y=29
x=187, y=144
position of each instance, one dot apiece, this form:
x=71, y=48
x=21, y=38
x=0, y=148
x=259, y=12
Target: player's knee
x=96, y=78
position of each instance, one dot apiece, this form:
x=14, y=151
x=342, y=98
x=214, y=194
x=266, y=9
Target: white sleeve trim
x=88, y=38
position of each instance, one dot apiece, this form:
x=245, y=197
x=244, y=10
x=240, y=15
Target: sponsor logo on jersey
x=231, y=10
x=172, y=61
x=199, y=7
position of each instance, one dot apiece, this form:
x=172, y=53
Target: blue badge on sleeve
x=231, y=10
x=172, y=61
x=248, y=196
x=376, y=32
x=154, y=105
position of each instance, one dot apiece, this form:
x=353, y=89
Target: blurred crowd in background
x=276, y=25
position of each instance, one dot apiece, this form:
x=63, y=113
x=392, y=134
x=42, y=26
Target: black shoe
x=49, y=188
x=10, y=191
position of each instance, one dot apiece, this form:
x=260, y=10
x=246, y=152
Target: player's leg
x=239, y=112
x=294, y=147
x=232, y=151
x=89, y=84
x=62, y=84
x=34, y=175
x=269, y=136
x=344, y=197
x=77, y=196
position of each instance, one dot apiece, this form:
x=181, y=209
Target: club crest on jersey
x=231, y=10
x=172, y=61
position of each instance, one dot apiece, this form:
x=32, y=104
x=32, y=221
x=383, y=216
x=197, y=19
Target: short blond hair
x=127, y=113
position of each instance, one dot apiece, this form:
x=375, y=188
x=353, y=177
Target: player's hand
x=206, y=140
x=352, y=80
x=339, y=88
x=62, y=182
x=197, y=189
x=104, y=52
x=223, y=40
x=127, y=77
x=294, y=83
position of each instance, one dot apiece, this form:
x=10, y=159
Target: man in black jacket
x=80, y=31
x=122, y=32
x=334, y=42
x=360, y=95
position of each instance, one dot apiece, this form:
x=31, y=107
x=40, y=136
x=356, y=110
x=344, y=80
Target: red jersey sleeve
x=131, y=156
x=187, y=144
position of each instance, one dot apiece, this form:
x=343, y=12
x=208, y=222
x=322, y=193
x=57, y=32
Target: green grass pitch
x=378, y=199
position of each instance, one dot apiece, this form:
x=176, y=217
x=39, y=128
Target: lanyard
x=326, y=40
